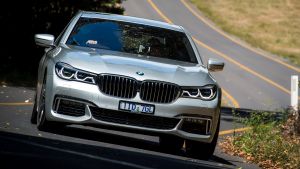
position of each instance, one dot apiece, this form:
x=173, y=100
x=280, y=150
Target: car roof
x=131, y=19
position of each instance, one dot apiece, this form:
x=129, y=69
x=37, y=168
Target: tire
x=170, y=143
x=41, y=121
x=34, y=112
x=203, y=151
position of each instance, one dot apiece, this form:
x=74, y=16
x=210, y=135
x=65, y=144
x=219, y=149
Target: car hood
x=104, y=61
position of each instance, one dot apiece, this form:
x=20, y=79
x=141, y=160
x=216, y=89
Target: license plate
x=136, y=107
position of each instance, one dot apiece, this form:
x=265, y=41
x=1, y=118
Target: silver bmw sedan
x=130, y=74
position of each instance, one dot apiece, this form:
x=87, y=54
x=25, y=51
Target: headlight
x=205, y=92
x=68, y=72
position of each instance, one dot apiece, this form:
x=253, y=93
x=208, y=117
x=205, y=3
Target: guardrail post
x=294, y=93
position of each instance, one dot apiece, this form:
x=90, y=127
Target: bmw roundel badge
x=140, y=73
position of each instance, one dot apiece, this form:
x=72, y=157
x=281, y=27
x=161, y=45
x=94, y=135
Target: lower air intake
x=70, y=108
x=134, y=119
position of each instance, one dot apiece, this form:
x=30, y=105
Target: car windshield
x=132, y=38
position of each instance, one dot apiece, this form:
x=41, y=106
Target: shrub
x=266, y=144
x=20, y=20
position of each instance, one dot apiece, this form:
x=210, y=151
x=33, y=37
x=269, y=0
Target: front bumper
x=182, y=110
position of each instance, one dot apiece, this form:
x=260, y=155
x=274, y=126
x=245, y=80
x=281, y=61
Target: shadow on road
x=114, y=138
x=35, y=152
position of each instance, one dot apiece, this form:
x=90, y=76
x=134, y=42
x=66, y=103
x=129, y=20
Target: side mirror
x=215, y=65
x=44, y=40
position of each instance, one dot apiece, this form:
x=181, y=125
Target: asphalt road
x=254, y=79
x=250, y=80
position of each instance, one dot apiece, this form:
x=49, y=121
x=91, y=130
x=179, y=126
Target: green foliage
x=53, y=15
x=20, y=20
x=265, y=141
x=257, y=118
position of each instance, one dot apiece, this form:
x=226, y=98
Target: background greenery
x=271, y=142
x=20, y=20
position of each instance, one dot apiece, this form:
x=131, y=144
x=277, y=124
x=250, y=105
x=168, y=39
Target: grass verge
x=272, y=25
x=269, y=143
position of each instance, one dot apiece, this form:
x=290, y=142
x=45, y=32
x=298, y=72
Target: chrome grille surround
x=127, y=87
x=118, y=86
x=159, y=92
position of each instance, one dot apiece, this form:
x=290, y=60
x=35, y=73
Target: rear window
x=132, y=38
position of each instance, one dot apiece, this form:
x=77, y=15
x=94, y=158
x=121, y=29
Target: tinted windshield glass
x=132, y=38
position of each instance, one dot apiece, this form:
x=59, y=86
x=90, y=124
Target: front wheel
x=41, y=120
x=34, y=112
x=201, y=150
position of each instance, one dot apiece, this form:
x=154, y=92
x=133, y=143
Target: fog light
x=196, y=125
x=69, y=107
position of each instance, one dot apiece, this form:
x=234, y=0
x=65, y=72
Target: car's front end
x=108, y=72
x=185, y=110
